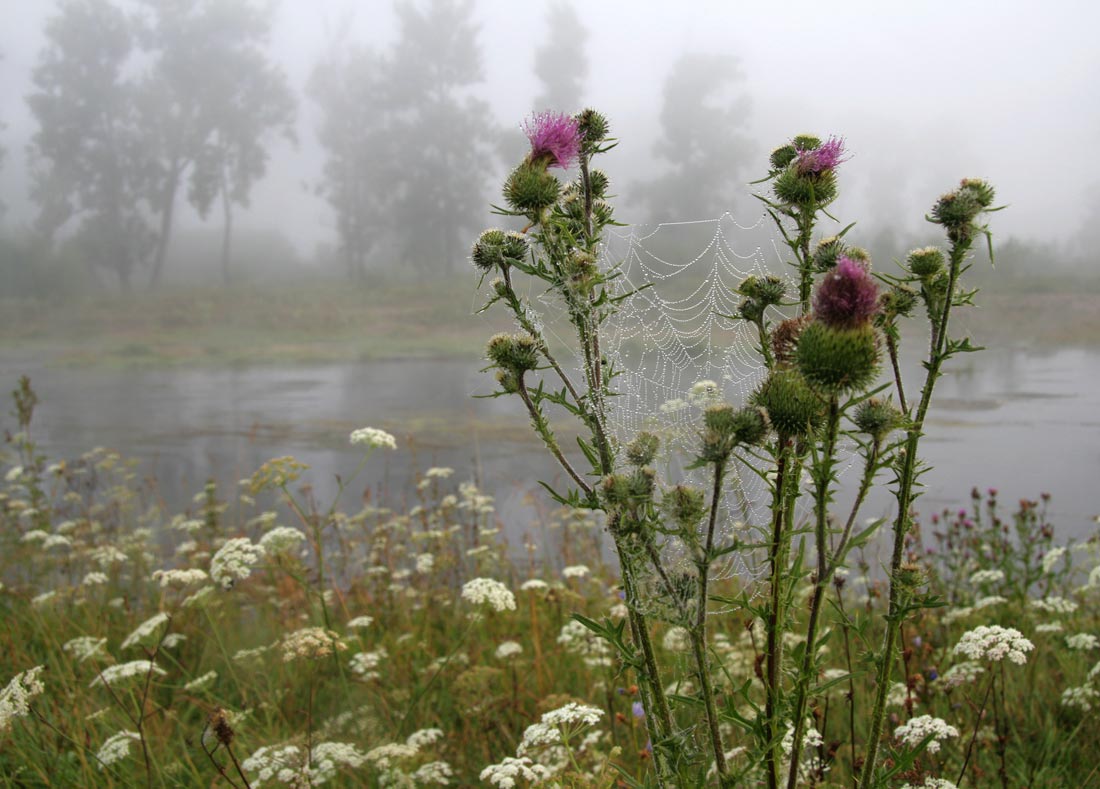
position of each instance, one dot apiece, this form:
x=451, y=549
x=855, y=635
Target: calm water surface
x=1023, y=422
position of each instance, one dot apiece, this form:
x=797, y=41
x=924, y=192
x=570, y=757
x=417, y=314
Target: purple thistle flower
x=637, y=710
x=847, y=297
x=555, y=135
x=824, y=157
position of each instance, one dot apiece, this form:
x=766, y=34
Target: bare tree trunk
x=167, y=207
x=227, y=228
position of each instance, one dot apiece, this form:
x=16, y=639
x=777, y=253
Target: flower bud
x=751, y=425
x=827, y=252
x=641, y=483
x=795, y=188
x=530, y=189
x=592, y=127
x=900, y=300
x=835, y=360
x=956, y=210
x=598, y=183
x=720, y=433
x=785, y=339
x=792, y=407
x=876, y=418
x=910, y=577
x=498, y=248
x=982, y=190
x=925, y=262
x=643, y=449
x=686, y=506
x=616, y=490
x=508, y=381
x=782, y=156
x=515, y=352
x=768, y=290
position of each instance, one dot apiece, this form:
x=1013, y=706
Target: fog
x=922, y=93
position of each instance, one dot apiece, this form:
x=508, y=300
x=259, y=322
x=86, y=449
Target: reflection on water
x=1022, y=422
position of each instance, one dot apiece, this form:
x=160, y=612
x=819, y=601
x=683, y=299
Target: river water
x=1021, y=421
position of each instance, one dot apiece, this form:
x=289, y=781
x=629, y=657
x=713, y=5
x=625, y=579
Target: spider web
x=675, y=352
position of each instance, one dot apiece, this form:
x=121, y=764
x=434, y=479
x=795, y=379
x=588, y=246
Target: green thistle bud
x=751, y=425
x=642, y=450
x=508, y=381
x=720, y=418
x=719, y=434
x=806, y=142
x=499, y=287
x=837, y=359
x=515, y=352
x=826, y=253
x=782, y=156
x=910, y=577
x=877, y=418
x=641, y=483
x=602, y=211
x=900, y=300
x=592, y=126
x=785, y=339
x=686, y=506
x=751, y=310
x=925, y=262
x=530, y=189
x=795, y=188
x=956, y=210
x=982, y=190
x=616, y=490
x=598, y=183
x=498, y=248
x=859, y=255
x=792, y=407
x=768, y=291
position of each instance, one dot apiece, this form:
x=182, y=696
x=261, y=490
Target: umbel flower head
x=847, y=296
x=555, y=138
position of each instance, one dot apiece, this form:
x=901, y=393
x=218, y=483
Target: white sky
x=925, y=93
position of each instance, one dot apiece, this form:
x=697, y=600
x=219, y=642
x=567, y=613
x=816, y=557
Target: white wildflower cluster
x=932, y=783
x=1055, y=605
x=135, y=668
x=272, y=762
x=425, y=563
x=180, y=578
x=677, y=639
x=107, y=555
x=365, y=663
x=573, y=714
x=704, y=393
x=95, y=578
x=486, y=591
x=897, y=695
x=508, y=649
x=987, y=577
x=1082, y=641
x=15, y=698
x=84, y=647
x=960, y=674
x=439, y=472
x=281, y=539
x=579, y=640
x=506, y=774
x=913, y=732
x=360, y=622
x=233, y=562
x=145, y=630
x=1082, y=697
x=372, y=437
x=1049, y=627
x=1052, y=557
x=310, y=643
x=116, y=748
x=575, y=571
x=986, y=602
x=993, y=642
x=534, y=585
x=424, y=737
x=198, y=683
x=438, y=772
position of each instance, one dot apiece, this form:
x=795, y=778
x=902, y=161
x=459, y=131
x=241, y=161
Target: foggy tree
x=408, y=150
x=85, y=158
x=348, y=89
x=445, y=156
x=703, y=139
x=208, y=104
x=561, y=63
